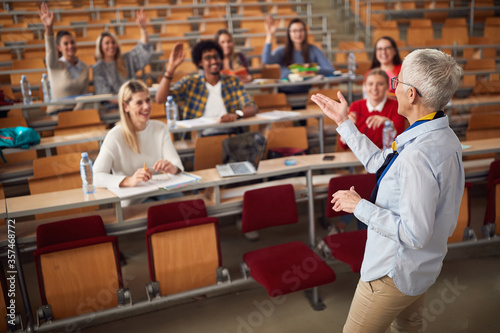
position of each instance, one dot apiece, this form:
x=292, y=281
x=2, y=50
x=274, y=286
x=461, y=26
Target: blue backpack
x=19, y=137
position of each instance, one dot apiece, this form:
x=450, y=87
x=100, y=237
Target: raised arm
x=271, y=26
x=47, y=18
x=176, y=58
x=333, y=109
x=142, y=21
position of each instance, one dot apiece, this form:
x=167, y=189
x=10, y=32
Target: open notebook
x=243, y=152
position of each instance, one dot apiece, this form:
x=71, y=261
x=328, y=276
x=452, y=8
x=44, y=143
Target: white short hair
x=435, y=74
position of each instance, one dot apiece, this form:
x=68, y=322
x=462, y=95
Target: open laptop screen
x=246, y=147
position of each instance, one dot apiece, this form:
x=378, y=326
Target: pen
x=145, y=168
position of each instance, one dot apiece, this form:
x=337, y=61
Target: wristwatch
x=239, y=113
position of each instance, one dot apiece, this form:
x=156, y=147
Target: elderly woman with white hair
x=414, y=206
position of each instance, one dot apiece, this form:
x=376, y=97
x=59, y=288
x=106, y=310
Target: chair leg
x=312, y=296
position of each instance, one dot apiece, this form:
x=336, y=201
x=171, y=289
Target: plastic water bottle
x=87, y=174
x=26, y=90
x=171, y=111
x=47, y=94
x=388, y=135
x=351, y=64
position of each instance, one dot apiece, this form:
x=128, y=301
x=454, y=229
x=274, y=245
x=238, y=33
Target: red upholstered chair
x=76, y=261
x=183, y=248
x=492, y=193
x=283, y=268
x=348, y=247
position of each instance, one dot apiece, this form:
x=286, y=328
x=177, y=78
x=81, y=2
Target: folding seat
x=183, y=248
x=463, y=231
x=283, y=268
x=78, y=268
x=492, y=214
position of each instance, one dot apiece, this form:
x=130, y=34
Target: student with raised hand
x=68, y=75
x=137, y=147
x=386, y=56
x=370, y=114
x=233, y=62
x=414, y=207
x=210, y=93
x=114, y=68
x=296, y=50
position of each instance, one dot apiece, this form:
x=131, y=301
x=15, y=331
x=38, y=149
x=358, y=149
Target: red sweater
x=390, y=111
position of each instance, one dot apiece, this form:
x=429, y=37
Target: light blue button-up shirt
x=417, y=204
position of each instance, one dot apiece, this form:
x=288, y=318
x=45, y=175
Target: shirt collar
x=379, y=107
x=78, y=62
x=429, y=126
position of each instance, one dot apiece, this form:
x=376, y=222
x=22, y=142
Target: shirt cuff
x=346, y=129
x=364, y=210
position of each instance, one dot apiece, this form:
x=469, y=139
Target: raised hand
x=176, y=57
x=141, y=19
x=271, y=25
x=46, y=16
x=333, y=109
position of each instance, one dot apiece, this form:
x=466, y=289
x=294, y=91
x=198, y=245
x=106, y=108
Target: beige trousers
x=379, y=303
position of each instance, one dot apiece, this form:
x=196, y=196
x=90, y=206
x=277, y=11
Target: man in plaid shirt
x=210, y=93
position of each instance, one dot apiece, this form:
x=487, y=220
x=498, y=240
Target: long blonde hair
x=127, y=90
x=99, y=54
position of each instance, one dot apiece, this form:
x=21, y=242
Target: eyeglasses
x=298, y=31
x=209, y=57
x=395, y=81
x=384, y=49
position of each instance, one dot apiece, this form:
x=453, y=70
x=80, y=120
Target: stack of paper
x=163, y=181
x=196, y=122
x=278, y=114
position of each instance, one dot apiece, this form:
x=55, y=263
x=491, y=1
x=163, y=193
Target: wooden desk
x=220, y=201
x=260, y=120
x=46, y=143
x=61, y=200
x=3, y=211
x=474, y=101
x=484, y=146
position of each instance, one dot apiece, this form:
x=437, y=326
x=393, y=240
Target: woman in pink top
x=386, y=56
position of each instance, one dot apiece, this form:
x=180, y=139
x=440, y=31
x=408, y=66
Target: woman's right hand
x=46, y=16
x=271, y=25
x=141, y=175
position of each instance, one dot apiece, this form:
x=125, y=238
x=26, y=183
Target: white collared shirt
x=74, y=70
x=379, y=107
x=417, y=203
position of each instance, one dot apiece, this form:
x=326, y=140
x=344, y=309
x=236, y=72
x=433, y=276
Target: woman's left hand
x=345, y=201
x=142, y=19
x=375, y=121
x=165, y=166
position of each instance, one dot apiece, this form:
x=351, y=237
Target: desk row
x=220, y=199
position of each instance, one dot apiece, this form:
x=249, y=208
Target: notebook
x=242, y=154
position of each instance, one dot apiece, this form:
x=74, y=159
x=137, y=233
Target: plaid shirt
x=192, y=91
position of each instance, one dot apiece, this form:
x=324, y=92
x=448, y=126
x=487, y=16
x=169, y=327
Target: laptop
x=236, y=169
x=242, y=154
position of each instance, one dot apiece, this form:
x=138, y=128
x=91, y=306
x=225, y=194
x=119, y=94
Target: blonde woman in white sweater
x=135, y=141
x=68, y=75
